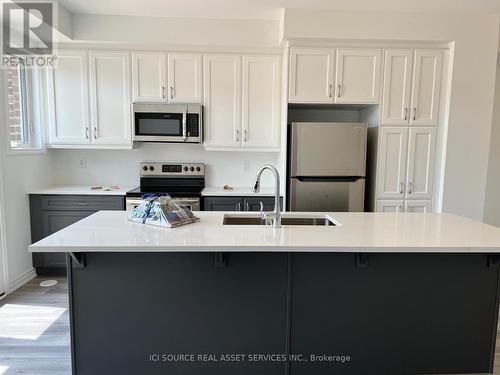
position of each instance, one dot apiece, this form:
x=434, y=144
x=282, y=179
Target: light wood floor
x=34, y=331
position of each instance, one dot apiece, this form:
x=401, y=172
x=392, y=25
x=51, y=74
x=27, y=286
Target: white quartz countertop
x=110, y=231
x=84, y=190
x=218, y=191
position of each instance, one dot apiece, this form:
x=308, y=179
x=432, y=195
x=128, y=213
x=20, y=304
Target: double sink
x=300, y=220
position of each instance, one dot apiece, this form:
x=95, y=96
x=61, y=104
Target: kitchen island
x=373, y=294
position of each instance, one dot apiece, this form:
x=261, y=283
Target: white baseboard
x=21, y=280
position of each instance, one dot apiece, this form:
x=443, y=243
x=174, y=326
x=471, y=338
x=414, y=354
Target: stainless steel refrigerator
x=327, y=166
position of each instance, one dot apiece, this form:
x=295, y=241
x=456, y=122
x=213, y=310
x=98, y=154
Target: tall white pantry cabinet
x=407, y=138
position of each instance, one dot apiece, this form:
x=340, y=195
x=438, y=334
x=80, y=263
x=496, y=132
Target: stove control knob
x=151, y=168
x=145, y=168
x=186, y=169
x=198, y=169
x=191, y=169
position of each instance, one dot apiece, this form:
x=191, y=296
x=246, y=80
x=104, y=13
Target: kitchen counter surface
x=84, y=190
x=110, y=231
x=218, y=191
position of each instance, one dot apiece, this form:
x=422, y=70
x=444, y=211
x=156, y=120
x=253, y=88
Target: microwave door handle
x=184, y=129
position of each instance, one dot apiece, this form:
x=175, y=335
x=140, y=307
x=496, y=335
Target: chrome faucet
x=274, y=216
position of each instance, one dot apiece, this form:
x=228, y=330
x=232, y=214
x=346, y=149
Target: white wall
x=105, y=167
x=475, y=40
x=20, y=173
x=492, y=201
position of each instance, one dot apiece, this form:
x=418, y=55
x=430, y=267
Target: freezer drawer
x=328, y=149
x=321, y=195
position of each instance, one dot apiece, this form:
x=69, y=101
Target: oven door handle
x=184, y=127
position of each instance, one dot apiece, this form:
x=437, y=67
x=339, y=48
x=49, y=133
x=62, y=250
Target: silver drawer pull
x=82, y=203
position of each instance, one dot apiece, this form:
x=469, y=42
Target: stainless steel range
x=182, y=181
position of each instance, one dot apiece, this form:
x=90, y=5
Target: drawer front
x=224, y=204
x=254, y=204
x=81, y=202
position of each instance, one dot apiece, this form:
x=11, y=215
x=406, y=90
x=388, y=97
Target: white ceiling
x=268, y=9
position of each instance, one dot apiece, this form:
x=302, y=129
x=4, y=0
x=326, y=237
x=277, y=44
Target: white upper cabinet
x=358, y=75
x=397, y=87
x=311, y=75
x=261, y=101
x=69, y=109
x=222, y=100
x=426, y=87
x=421, y=161
x=391, y=176
x=110, y=98
x=185, y=77
x=148, y=76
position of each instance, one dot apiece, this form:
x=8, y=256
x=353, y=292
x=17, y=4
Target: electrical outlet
x=83, y=163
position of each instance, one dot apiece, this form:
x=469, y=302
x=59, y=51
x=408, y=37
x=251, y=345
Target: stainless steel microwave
x=161, y=122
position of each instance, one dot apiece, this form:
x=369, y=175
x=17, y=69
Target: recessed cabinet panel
x=421, y=161
x=261, y=101
x=311, y=75
x=397, y=87
x=148, y=75
x=358, y=75
x=418, y=206
x=390, y=205
x=68, y=87
x=426, y=87
x=110, y=98
x=222, y=99
x=185, y=77
x=392, y=162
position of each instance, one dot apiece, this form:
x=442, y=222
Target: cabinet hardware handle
x=184, y=126
x=414, y=113
x=171, y=92
x=261, y=207
x=237, y=135
x=248, y=206
x=330, y=90
x=245, y=135
x=95, y=132
x=163, y=92
x=238, y=206
x=82, y=203
x=406, y=113
x=339, y=90
x=401, y=187
x=410, y=185
x=87, y=132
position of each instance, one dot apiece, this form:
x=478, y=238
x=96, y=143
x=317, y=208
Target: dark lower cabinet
x=136, y=313
x=51, y=213
x=328, y=313
x=394, y=313
x=239, y=203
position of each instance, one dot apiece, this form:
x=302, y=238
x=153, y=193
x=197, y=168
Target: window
x=22, y=124
x=19, y=127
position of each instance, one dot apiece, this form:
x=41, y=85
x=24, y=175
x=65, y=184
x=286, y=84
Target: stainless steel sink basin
x=285, y=220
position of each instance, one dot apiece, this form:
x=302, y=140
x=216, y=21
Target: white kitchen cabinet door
x=426, y=87
x=185, y=77
x=69, y=89
x=261, y=109
x=311, y=75
x=393, y=149
x=390, y=205
x=222, y=100
x=358, y=75
x=110, y=98
x=418, y=206
x=396, y=98
x=421, y=162
x=148, y=76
